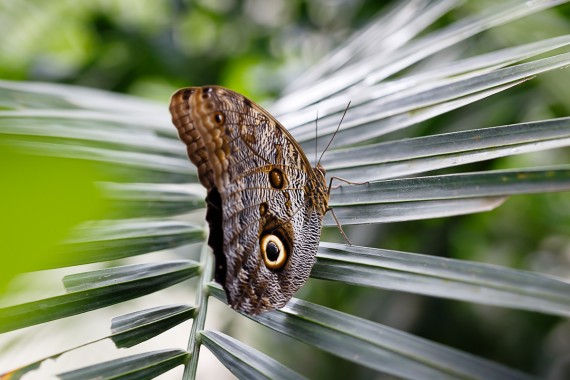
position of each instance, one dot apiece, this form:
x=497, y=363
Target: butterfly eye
x=273, y=251
x=219, y=118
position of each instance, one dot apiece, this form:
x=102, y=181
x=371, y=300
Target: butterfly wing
x=265, y=201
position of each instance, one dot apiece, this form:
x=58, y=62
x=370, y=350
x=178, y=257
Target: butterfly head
x=320, y=169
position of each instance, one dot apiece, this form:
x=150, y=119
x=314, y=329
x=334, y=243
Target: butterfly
x=265, y=202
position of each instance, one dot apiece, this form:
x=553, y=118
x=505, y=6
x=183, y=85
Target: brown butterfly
x=265, y=203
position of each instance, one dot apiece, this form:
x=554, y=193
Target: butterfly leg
x=339, y=225
x=345, y=181
x=332, y=210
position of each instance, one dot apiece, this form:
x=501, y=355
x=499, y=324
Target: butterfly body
x=265, y=202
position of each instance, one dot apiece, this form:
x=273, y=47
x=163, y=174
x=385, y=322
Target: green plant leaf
x=91, y=130
x=132, y=200
x=134, y=328
x=243, y=361
x=94, y=290
x=128, y=330
x=140, y=366
x=376, y=70
x=124, y=166
x=446, y=73
x=457, y=186
x=389, y=31
x=34, y=222
x=375, y=346
x=391, y=113
x=37, y=97
x=416, y=155
x=142, y=172
x=106, y=240
x=406, y=211
x=416, y=198
x=442, y=277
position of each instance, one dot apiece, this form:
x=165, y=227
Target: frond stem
x=200, y=317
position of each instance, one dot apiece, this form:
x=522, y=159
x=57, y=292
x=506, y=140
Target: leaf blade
x=112, y=240
x=442, y=277
x=244, y=361
x=141, y=366
x=375, y=346
x=94, y=290
x=416, y=155
x=438, y=196
x=131, y=329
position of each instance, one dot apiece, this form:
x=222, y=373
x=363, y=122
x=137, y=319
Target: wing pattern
x=261, y=188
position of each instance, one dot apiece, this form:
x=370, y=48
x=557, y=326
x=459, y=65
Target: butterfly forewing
x=265, y=202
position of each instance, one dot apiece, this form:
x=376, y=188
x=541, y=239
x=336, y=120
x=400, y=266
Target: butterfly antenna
x=335, y=132
x=316, y=135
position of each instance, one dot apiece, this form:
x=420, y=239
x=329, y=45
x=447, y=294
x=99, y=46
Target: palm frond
x=442, y=277
x=94, y=290
x=140, y=366
x=153, y=202
x=373, y=345
x=439, y=196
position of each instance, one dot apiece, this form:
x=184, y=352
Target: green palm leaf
x=141, y=196
x=374, y=345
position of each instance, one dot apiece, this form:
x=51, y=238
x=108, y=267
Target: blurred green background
x=149, y=48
